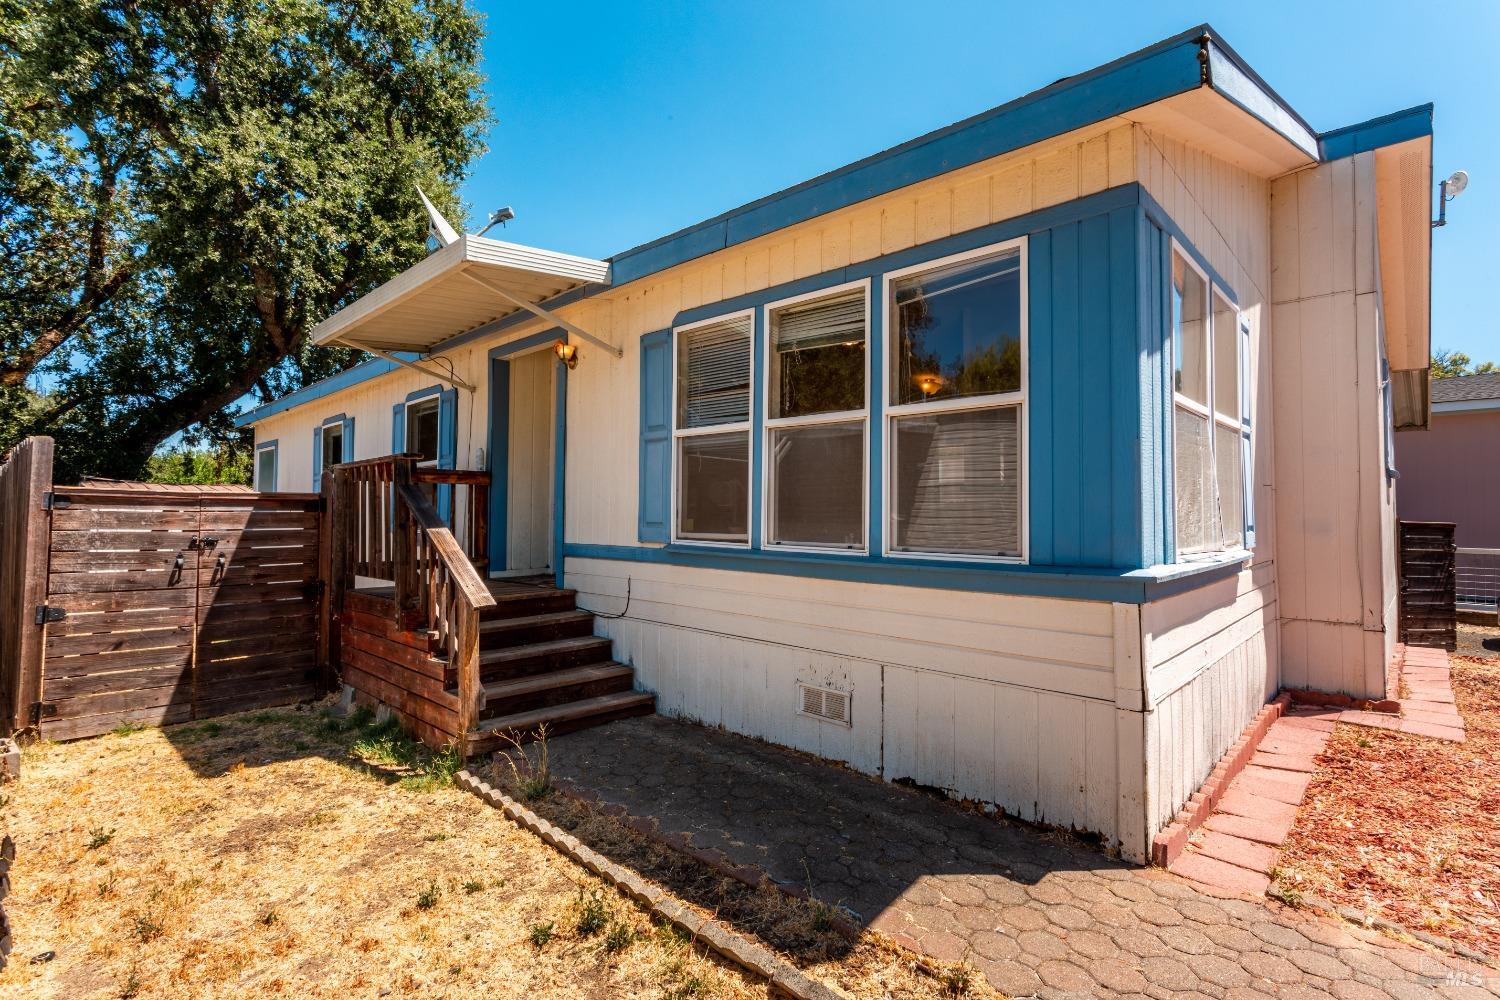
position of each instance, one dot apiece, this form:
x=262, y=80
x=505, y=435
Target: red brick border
x=1169, y=843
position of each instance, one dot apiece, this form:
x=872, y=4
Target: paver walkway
x=1238, y=845
x=1036, y=914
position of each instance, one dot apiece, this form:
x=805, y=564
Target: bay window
x=956, y=399
x=815, y=421
x=712, y=431
x=1210, y=432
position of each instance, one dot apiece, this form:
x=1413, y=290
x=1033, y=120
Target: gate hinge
x=42, y=710
x=51, y=501
x=46, y=613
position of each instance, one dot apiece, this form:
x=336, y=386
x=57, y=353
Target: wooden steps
x=540, y=663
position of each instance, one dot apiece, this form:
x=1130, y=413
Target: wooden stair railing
x=449, y=593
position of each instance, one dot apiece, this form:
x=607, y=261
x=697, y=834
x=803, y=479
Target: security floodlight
x=500, y=217
x=1447, y=191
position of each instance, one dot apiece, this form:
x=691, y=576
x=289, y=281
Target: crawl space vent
x=821, y=703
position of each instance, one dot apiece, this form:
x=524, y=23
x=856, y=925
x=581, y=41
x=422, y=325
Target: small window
x=422, y=429
x=333, y=445
x=1211, y=430
x=816, y=420
x=957, y=408
x=712, y=431
x=265, y=469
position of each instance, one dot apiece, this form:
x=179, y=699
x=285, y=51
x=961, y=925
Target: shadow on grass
x=380, y=750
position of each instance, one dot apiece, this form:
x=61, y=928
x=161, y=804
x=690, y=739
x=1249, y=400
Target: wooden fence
x=1428, y=561
x=25, y=478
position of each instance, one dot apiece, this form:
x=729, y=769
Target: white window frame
x=323, y=432
x=273, y=449
x=435, y=397
x=745, y=426
x=1018, y=398
x=1242, y=423
x=840, y=417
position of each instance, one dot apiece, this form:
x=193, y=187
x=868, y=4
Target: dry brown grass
x=1408, y=828
x=252, y=856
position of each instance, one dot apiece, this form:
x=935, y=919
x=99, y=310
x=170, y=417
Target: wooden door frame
x=498, y=433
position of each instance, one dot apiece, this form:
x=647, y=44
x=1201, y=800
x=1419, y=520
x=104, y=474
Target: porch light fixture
x=1447, y=191
x=929, y=384
x=566, y=353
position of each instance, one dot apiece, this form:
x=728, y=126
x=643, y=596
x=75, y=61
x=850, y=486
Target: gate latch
x=46, y=613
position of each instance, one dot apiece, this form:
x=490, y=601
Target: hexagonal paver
x=1315, y=963
x=1273, y=967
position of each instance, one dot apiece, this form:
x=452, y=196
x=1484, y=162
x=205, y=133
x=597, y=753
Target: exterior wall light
x=566, y=353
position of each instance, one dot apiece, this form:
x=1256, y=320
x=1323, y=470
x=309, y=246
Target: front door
x=522, y=410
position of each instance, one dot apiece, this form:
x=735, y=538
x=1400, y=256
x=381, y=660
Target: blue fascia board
x=362, y=372
x=1387, y=130
x=1139, y=586
x=1233, y=79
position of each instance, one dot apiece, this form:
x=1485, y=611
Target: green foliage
x=1451, y=364
x=541, y=933
x=200, y=466
x=185, y=190
x=429, y=896
x=590, y=915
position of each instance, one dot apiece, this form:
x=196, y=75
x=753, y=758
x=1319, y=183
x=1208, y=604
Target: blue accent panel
x=1167, y=68
x=348, y=439
x=655, y=502
x=1083, y=385
x=1155, y=338
x=514, y=347
x=398, y=428
x=447, y=447
x=362, y=372
x=559, y=468
x=499, y=437
x=1082, y=583
x=317, y=465
x=1387, y=130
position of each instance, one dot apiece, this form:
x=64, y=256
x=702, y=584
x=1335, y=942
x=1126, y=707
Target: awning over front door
x=463, y=286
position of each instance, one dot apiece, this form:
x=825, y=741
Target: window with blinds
x=957, y=352
x=712, y=432
x=815, y=418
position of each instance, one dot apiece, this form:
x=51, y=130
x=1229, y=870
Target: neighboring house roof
x=127, y=486
x=1194, y=62
x=1466, y=392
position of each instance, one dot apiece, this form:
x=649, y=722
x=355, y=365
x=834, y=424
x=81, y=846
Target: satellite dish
x=437, y=226
x=1457, y=182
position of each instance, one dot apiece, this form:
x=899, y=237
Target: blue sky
x=618, y=123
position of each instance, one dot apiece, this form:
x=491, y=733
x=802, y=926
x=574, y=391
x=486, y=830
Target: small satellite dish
x=1457, y=182
x=437, y=226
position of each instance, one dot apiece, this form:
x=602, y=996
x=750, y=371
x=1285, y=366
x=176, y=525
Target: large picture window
x=957, y=362
x=712, y=431
x=1210, y=430
x=815, y=421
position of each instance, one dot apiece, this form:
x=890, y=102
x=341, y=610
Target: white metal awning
x=463, y=286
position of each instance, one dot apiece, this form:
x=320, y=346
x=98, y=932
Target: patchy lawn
x=291, y=854
x=1408, y=828
x=284, y=853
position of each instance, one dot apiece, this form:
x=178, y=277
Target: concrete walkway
x=1036, y=914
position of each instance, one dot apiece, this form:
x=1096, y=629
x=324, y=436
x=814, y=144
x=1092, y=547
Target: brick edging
x=1173, y=838
x=1322, y=699
x=730, y=944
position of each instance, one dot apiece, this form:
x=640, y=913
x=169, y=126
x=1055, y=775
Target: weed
x=958, y=978
x=541, y=933
x=433, y=838
x=471, y=887
x=1288, y=894
x=822, y=916
x=107, y=886
x=98, y=837
x=146, y=929
x=268, y=918
x=301, y=746
x=619, y=938
x=537, y=781
x=429, y=897
x=591, y=915
x=320, y=818
x=128, y=728
x=132, y=986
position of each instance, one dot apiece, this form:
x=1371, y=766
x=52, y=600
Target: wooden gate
x=165, y=607
x=1428, y=563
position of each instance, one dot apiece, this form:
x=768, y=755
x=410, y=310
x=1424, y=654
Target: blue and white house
x=1027, y=459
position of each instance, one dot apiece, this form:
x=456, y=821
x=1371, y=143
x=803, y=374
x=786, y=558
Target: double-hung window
x=422, y=430
x=333, y=445
x=957, y=386
x=711, y=428
x=1210, y=431
x=815, y=420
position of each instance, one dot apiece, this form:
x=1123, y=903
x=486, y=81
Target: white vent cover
x=825, y=704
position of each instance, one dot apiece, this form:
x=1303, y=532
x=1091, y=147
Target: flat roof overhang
x=461, y=287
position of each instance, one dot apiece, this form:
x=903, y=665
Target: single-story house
x=1026, y=460
x=1451, y=472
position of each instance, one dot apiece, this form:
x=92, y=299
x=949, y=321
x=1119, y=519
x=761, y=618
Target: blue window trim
x=1104, y=584
x=274, y=447
x=498, y=360
x=338, y=419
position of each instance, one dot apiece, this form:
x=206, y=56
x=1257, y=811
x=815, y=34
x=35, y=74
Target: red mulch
x=1408, y=828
